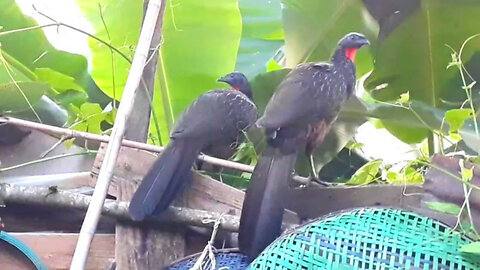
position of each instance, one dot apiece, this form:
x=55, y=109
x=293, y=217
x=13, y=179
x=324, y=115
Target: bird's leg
x=313, y=170
x=314, y=174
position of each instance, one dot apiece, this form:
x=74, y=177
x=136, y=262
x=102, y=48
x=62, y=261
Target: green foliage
x=313, y=28
x=448, y=208
x=471, y=248
x=366, y=174
x=20, y=96
x=58, y=81
x=28, y=56
x=200, y=42
x=89, y=118
x=457, y=117
x=408, y=175
x=118, y=23
x=419, y=91
x=31, y=48
x=467, y=173
x=404, y=98
x=419, y=66
x=262, y=36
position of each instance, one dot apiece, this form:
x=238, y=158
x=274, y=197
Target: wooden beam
x=313, y=202
x=203, y=193
x=56, y=251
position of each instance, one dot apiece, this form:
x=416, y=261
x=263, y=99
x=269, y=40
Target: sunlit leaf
x=467, y=174
x=471, y=248
x=448, y=208
x=404, y=98
x=457, y=117
x=90, y=118
x=117, y=22
x=57, y=80
x=366, y=174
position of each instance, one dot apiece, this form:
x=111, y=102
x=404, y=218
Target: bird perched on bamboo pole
x=218, y=117
x=302, y=110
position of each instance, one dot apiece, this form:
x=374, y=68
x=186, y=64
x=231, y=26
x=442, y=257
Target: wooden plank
x=203, y=193
x=30, y=218
x=35, y=144
x=145, y=248
x=56, y=250
x=138, y=248
x=313, y=202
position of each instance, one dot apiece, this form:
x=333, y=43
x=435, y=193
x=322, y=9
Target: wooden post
x=144, y=248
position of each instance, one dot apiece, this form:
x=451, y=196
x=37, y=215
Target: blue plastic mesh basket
x=369, y=238
x=230, y=258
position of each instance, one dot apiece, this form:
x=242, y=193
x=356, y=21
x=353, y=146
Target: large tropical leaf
x=117, y=22
x=420, y=66
x=262, y=35
x=27, y=52
x=20, y=96
x=31, y=48
x=313, y=28
x=200, y=43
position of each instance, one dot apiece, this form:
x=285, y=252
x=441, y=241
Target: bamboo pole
x=137, y=145
x=106, y=171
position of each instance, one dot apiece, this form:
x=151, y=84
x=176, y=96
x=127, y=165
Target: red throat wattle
x=235, y=88
x=350, y=53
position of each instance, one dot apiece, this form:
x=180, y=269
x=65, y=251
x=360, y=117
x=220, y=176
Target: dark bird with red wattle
x=301, y=111
x=218, y=117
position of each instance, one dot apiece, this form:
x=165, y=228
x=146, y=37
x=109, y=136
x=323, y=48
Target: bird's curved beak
x=222, y=79
x=364, y=42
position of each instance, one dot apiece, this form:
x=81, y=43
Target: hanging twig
x=142, y=146
x=88, y=152
x=44, y=196
x=55, y=145
x=106, y=171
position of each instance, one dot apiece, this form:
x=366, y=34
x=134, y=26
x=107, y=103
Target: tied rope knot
x=208, y=253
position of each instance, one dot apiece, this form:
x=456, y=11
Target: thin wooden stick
x=106, y=171
x=45, y=196
x=137, y=145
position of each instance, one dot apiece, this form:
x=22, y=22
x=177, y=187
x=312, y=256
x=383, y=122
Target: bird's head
x=238, y=81
x=351, y=43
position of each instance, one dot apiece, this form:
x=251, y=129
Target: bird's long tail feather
x=165, y=179
x=263, y=207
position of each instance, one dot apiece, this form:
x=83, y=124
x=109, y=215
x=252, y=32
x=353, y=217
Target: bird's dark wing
x=214, y=114
x=292, y=102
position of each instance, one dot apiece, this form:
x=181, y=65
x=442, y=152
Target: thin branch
x=111, y=53
x=58, y=24
x=44, y=196
x=88, y=152
x=55, y=145
x=142, y=146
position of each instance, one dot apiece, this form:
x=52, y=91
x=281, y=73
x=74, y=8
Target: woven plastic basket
x=369, y=238
x=229, y=259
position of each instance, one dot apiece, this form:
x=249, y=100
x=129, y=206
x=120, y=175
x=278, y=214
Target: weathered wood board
x=56, y=251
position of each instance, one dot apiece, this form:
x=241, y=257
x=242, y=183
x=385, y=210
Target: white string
x=209, y=248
